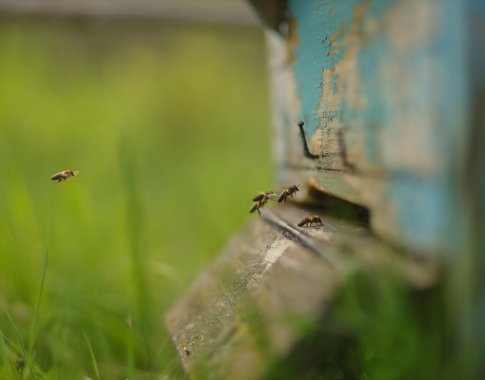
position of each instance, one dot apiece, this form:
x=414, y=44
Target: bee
x=257, y=205
x=288, y=192
x=261, y=199
x=269, y=195
x=309, y=220
x=65, y=174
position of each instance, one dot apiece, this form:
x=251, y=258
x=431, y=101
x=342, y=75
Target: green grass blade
x=35, y=321
x=130, y=351
x=93, y=356
x=141, y=326
x=22, y=350
x=4, y=356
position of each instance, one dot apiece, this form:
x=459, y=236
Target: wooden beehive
x=394, y=169
x=381, y=88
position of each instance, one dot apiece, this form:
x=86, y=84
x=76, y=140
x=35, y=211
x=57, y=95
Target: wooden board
x=249, y=310
x=381, y=87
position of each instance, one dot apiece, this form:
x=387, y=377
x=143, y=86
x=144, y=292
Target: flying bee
x=261, y=199
x=259, y=204
x=309, y=220
x=288, y=192
x=269, y=195
x=65, y=174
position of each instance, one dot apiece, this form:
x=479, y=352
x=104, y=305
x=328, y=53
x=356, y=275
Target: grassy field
x=168, y=125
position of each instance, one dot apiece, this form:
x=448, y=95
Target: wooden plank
x=247, y=311
x=384, y=110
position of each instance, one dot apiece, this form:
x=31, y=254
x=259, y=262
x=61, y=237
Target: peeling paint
x=375, y=80
x=341, y=83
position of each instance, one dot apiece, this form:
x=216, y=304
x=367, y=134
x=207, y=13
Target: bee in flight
x=261, y=199
x=309, y=220
x=65, y=174
x=269, y=195
x=288, y=192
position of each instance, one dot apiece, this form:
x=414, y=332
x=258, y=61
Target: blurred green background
x=168, y=124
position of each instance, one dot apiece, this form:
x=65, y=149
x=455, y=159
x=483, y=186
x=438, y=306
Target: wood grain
x=239, y=317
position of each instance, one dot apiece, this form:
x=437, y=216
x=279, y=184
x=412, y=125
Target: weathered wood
x=381, y=88
x=242, y=315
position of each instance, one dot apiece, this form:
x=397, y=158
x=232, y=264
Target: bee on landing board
x=288, y=192
x=309, y=220
x=261, y=199
x=65, y=174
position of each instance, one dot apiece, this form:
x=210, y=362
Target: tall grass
x=93, y=357
x=7, y=370
x=168, y=125
x=35, y=318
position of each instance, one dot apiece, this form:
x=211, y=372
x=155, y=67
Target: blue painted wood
x=381, y=86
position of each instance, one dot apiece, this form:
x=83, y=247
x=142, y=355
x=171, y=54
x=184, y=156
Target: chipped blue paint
x=423, y=205
x=317, y=20
x=314, y=23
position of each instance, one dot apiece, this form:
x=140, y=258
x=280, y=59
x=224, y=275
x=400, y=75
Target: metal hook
x=306, y=152
x=343, y=151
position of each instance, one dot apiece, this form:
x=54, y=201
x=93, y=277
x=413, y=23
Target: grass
x=168, y=125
